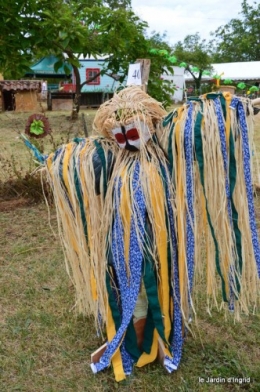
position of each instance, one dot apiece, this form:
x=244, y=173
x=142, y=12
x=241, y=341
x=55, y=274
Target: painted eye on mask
x=132, y=136
x=119, y=136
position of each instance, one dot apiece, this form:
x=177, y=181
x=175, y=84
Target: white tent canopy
x=235, y=71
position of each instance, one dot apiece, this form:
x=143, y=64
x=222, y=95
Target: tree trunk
x=76, y=101
x=197, y=80
x=84, y=125
x=197, y=84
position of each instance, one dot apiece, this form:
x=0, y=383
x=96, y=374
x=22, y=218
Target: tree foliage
x=15, y=41
x=39, y=27
x=239, y=40
x=70, y=29
x=194, y=54
x=113, y=4
x=159, y=88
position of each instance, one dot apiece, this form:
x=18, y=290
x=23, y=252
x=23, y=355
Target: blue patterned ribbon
x=222, y=135
x=37, y=154
x=190, y=243
x=129, y=286
x=237, y=104
x=177, y=339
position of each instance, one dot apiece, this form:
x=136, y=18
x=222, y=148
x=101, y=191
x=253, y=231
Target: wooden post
x=145, y=71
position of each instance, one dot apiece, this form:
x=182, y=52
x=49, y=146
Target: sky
x=181, y=18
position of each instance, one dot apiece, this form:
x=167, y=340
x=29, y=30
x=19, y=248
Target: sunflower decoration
x=37, y=126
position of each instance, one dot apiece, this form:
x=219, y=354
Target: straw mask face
x=130, y=118
x=131, y=136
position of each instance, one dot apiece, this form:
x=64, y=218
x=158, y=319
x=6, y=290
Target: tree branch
x=90, y=79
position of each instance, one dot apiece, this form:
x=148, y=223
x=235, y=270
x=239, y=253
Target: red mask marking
x=120, y=138
x=132, y=134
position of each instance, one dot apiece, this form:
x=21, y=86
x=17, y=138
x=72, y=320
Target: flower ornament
x=241, y=85
x=253, y=89
x=37, y=126
x=228, y=81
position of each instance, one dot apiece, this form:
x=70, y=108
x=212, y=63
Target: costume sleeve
x=79, y=173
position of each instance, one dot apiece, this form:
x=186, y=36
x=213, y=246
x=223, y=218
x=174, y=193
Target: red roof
x=20, y=85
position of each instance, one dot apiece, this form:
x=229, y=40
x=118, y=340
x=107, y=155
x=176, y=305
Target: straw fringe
x=250, y=283
x=85, y=262
x=213, y=198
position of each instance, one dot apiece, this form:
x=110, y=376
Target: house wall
x=26, y=101
x=106, y=82
x=62, y=104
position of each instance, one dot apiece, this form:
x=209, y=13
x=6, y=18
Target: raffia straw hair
x=79, y=212
x=130, y=103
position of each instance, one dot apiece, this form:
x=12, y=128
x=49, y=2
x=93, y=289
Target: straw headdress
x=127, y=104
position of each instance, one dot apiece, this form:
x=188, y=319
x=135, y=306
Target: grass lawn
x=46, y=347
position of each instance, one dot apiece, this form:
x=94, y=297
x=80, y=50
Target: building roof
x=45, y=68
x=20, y=85
x=249, y=70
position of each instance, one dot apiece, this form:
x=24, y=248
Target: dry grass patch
x=16, y=161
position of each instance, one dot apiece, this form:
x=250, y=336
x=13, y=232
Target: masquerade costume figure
x=139, y=208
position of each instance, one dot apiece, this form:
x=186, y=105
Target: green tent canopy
x=45, y=68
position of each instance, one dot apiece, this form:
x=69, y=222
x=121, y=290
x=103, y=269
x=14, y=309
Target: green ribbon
x=200, y=159
x=232, y=179
x=101, y=154
x=151, y=288
x=80, y=199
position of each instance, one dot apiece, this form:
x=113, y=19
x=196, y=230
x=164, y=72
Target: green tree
x=113, y=4
x=70, y=29
x=15, y=51
x=194, y=54
x=67, y=29
x=162, y=62
x=239, y=40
